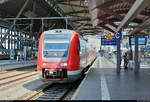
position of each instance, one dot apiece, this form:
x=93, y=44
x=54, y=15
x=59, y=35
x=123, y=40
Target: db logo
x=54, y=65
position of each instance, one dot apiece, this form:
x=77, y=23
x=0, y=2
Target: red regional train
x=62, y=56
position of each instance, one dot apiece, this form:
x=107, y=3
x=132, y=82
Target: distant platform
x=7, y=61
x=12, y=64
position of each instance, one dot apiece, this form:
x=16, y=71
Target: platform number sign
x=118, y=35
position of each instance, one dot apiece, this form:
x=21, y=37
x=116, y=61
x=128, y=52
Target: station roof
x=115, y=15
x=92, y=16
x=33, y=9
x=79, y=12
x=89, y=17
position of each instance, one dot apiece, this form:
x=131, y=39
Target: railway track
x=58, y=91
x=53, y=91
x=15, y=70
x=11, y=81
x=11, y=76
x=5, y=72
x=8, y=77
x=8, y=82
x=13, y=86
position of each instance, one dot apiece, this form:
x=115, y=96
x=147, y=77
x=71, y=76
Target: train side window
x=78, y=48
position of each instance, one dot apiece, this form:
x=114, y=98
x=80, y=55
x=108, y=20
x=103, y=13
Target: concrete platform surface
x=12, y=64
x=104, y=83
x=4, y=62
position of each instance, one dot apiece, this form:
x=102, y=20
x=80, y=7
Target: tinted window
x=48, y=54
x=57, y=36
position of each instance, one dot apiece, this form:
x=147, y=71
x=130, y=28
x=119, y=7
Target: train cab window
x=55, y=50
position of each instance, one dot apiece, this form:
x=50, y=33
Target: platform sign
x=118, y=36
x=104, y=41
x=141, y=41
x=146, y=48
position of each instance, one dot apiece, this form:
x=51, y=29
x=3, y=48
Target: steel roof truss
x=140, y=27
x=73, y=5
x=137, y=7
x=18, y=15
x=76, y=12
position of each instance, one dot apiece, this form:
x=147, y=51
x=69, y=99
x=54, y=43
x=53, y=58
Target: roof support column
x=118, y=56
x=136, y=54
x=32, y=22
x=10, y=28
x=18, y=40
x=9, y=42
x=14, y=40
x=131, y=52
x=42, y=25
x=66, y=19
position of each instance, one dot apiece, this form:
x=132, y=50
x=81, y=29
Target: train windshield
x=55, y=49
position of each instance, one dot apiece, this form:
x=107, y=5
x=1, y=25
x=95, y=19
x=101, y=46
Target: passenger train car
x=62, y=56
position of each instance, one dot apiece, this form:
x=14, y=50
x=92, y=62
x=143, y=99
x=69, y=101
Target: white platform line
x=104, y=89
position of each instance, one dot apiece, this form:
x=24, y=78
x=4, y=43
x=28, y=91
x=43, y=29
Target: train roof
x=58, y=31
x=63, y=31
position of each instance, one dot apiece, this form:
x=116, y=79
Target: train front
x=53, y=56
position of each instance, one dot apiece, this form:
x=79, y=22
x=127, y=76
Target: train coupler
x=58, y=73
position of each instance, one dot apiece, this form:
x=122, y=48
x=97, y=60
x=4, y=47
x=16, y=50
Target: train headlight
x=63, y=64
x=45, y=64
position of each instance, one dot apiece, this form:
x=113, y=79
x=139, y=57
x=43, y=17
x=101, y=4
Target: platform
x=13, y=64
x=103, y=83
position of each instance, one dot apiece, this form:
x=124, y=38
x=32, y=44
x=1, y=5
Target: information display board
x=141, y=41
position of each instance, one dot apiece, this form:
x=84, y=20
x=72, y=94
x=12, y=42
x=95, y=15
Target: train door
x=82, y=54
x=86, y=51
